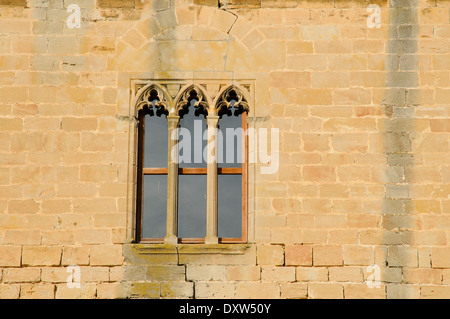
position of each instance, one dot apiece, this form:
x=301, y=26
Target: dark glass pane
x=156, y=141
x=191, y=206
x=154, y=210
x=230, y=206
x=230, y=150
x=191, y=143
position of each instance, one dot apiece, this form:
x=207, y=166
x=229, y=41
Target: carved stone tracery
x=192, y=96
x=212, y=98
x=230, y=98
x=154, y=97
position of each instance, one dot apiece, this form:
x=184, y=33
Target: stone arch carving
x=172, y=96
x=228, y=94
x=193, y=92
x=152, y=95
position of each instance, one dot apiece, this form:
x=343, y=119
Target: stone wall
x=363, y=120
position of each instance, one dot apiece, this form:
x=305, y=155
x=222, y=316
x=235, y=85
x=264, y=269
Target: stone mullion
x=211, y=195
x=172, y=183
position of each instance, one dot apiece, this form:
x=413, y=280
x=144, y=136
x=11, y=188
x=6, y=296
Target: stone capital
x=173, y=121
x=212, y=120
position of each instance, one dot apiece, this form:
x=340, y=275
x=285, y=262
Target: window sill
x=223, y=249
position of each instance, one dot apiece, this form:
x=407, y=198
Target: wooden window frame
x=142, y=171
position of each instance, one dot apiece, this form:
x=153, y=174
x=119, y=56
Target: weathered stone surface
x=362, y=115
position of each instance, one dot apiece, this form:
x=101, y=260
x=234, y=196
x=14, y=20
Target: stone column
x=211, y=193
x=172, y=182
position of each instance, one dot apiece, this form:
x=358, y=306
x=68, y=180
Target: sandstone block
x=311, y=274
x=320, y=32
x=25, y=206
x=145, y=290
x=298, y=255
x=358, y=255
x=18, y=275
x=177, y=289
x=41, y=255
x=22, y=237
x=106, y=255
x=435, y=292
x=358, y=291
x=79, y=124
x=402, y=256
x=293, y=290
x=166, y=273
x=37, y=291
x=278, y=274
x=10, y=256
x=243, y=273
x=440, y=257
x=10, y=291
x=13, y=124
x=95, y=274
x=345, y=274
x=86, y=291
x=319, y=173
x=325, y=291
x=214, y=290
x=270, y=255
x=327, y=255
x=112, y=291
x=423, y=276
x=257, y=290
x=205, y=273
x=223, y=20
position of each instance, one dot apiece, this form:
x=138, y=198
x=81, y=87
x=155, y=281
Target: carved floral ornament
x=211, y=98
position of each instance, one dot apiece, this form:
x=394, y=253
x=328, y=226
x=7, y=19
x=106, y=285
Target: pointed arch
x=193, y=92
x=152, y=95
x=233, y=92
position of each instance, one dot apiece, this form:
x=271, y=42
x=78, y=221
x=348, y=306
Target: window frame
x=142, y=171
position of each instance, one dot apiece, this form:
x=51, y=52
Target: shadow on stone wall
x=398, y=128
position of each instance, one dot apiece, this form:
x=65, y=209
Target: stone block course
x=41, y=255
x=325, y=290
x=270, y=255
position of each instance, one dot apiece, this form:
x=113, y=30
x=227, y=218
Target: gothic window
x=192, y=163
x=152, y=166
x=232, y=169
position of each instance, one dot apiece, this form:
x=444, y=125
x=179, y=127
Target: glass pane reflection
x=230, y=152
x=191, y=206
x=191, y=144
x=156, y=141
x=154, y=206
x=230, y=206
